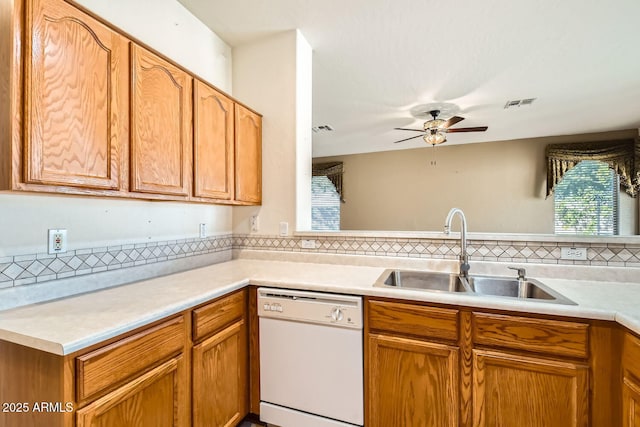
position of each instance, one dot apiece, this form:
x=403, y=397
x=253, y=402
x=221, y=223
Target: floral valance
x=333, y=171
x=623, y=156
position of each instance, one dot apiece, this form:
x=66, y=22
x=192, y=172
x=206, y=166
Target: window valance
x=623, y=156
x=333, y=171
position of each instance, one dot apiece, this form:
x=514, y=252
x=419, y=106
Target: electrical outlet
x=308, y=244
x=57, y=241
x=203, y=231
x=253, y=221
x=579, y=254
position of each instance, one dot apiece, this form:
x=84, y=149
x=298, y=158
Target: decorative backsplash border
x=28, y=269
x=598, y=254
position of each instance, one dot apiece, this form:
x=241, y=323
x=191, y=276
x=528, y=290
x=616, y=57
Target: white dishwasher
x=310, y=359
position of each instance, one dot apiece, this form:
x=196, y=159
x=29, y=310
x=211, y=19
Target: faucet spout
x=464, y=257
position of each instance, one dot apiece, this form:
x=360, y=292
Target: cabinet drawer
x=631, y=355
x=537, y=335
x=413, y=319
x=109, y=365
x=218, y=314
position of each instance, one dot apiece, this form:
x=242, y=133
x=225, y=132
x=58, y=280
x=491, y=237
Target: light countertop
x=70, y=324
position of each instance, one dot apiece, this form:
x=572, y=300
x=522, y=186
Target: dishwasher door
x=311, y=370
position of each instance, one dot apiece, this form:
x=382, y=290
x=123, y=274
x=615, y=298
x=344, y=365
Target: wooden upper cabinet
x=160, y=126
x=213, y=143
x=76, y=92
x=248, y=155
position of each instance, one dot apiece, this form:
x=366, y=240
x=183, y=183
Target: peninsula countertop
x=70, y=324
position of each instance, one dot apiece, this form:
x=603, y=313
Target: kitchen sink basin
x=508, y=287
x=424, y=280
x=491, y=286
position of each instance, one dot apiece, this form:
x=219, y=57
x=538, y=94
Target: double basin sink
x=496, y=286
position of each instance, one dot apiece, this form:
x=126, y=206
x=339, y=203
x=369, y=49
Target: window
x=325, y=205
x=586, y=200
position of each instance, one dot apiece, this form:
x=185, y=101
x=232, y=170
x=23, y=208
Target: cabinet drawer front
x=109, y=365
x=413, y=319
x=154, y=398
x=537, y=335
x=218, y=314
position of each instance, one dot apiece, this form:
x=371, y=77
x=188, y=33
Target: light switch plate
x=254, y=223
x=284, y=228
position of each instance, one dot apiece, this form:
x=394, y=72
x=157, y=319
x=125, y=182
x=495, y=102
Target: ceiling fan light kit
x=434, y=138
x=435, y=130
x=434, y=123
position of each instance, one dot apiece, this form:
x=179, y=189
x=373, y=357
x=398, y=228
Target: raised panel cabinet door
x=154, y=399
x=512, y=390
x=160, y=126
x=630, y=403
x=248, y=155
x=213, y=143
x=411, y=383
x=220, y=392
x=76, y=98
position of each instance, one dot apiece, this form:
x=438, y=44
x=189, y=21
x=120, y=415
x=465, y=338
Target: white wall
x=168, y=27
x=172, y=30
x=266, y=76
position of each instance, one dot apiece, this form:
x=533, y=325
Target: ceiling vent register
x=322, y=128
x=519, y=103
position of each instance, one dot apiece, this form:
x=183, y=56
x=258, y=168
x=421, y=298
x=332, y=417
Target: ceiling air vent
x=519, y=103
x=322, y=128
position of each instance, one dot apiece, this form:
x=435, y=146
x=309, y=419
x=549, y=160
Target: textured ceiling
x=377, y=60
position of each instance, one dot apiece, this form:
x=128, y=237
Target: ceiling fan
x=434, y=131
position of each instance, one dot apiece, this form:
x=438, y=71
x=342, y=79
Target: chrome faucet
x=464, y=257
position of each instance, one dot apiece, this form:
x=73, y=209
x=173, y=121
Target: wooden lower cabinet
x=630, y=402
x=412, y=382
x=154, y=399
x=631, y=381
x=220, y=362
x=513, y=390
x=449, y=366
x=220, y=378
x=162, y=375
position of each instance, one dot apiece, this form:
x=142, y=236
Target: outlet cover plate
x=576, y=254
x=57, y=241
x=308, y=244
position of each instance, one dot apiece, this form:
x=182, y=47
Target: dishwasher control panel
x=311, y=307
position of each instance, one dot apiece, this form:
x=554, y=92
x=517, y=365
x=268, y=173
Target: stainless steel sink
x=514, y=288
x=491, y=286
x=424, y=280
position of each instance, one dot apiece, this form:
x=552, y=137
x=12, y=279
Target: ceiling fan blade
x=475, y=129
x=416, y=130
x=452, y=121
x=406, y=139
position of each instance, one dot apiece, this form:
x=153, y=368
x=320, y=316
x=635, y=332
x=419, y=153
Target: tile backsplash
x=36, y=268
x=544, y=252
